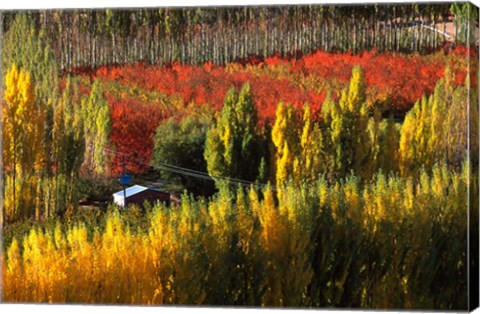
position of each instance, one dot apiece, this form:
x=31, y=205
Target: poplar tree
x=357, y=90
x=408, y=147
x=74, y=126
x=214, y=153
x=349, y=132
x=248, y=138
x=431, y=133
x=219, y=143
x=103, y=126
x=97, y=126
x=232, y=145
x=436, y=141
x=286, y=142
x=388, y=143
x=328, y=151
x=311, y=147
x=55, y=187
x=22, y=138
x=68, y=146
x=423, y=131
x=464, y=22
x=27, y=46
x=461, y=99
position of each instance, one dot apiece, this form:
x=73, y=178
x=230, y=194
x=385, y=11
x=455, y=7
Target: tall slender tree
x=97, y=123
x=349, y=129
x=285, y=138
x=232, y=147
x=22, y=135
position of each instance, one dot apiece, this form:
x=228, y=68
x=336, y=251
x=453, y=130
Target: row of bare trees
x=222, y=34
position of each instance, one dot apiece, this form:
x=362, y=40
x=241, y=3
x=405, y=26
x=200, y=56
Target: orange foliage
x=145, y=95
x=133, y=126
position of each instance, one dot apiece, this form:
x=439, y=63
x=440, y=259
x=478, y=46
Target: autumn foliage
x=325, y=156
x=133, y=126
x=140, y=96
x=305, y=249
x=404, y=78
x=345, y=179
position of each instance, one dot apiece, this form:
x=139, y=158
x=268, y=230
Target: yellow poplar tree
x=349, y=132
x=285, y=165
x=456, y=134
x=311, y=146
x=357, y=90
x=285, y=139
x=23, y=122
x=423, y=131
x=407, y=148
x=325, y=123
x=431, y=132
x=436, y=140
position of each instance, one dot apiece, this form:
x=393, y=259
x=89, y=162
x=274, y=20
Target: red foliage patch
x=404, y=78
x=397, y=80
x=209, y=85
x=133, y=128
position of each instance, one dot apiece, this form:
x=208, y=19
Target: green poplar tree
x=352, y=134
x=97, y=126
x=388, y=144
x=232, y=145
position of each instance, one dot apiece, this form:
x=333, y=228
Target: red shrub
x=395, y=80
x=133, y=128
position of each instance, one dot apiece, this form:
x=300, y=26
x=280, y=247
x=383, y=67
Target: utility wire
x=212, y=176
x=192, y=172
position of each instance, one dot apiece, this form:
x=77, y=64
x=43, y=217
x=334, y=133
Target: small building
x=138, y=194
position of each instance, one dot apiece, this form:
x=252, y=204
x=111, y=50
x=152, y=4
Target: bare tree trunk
x=395, y=39
x=354, y=32
x=70, y=41
x=375, y=28
x=265, y=39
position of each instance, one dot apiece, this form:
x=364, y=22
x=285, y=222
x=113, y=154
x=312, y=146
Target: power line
x=192, y=172
x=213, y=176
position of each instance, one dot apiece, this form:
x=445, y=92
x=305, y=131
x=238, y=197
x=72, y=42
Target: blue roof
x=131, y=191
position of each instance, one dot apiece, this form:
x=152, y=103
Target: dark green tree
x=181, y=144
x=232, y=147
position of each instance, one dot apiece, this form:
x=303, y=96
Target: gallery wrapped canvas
x=295, y=156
